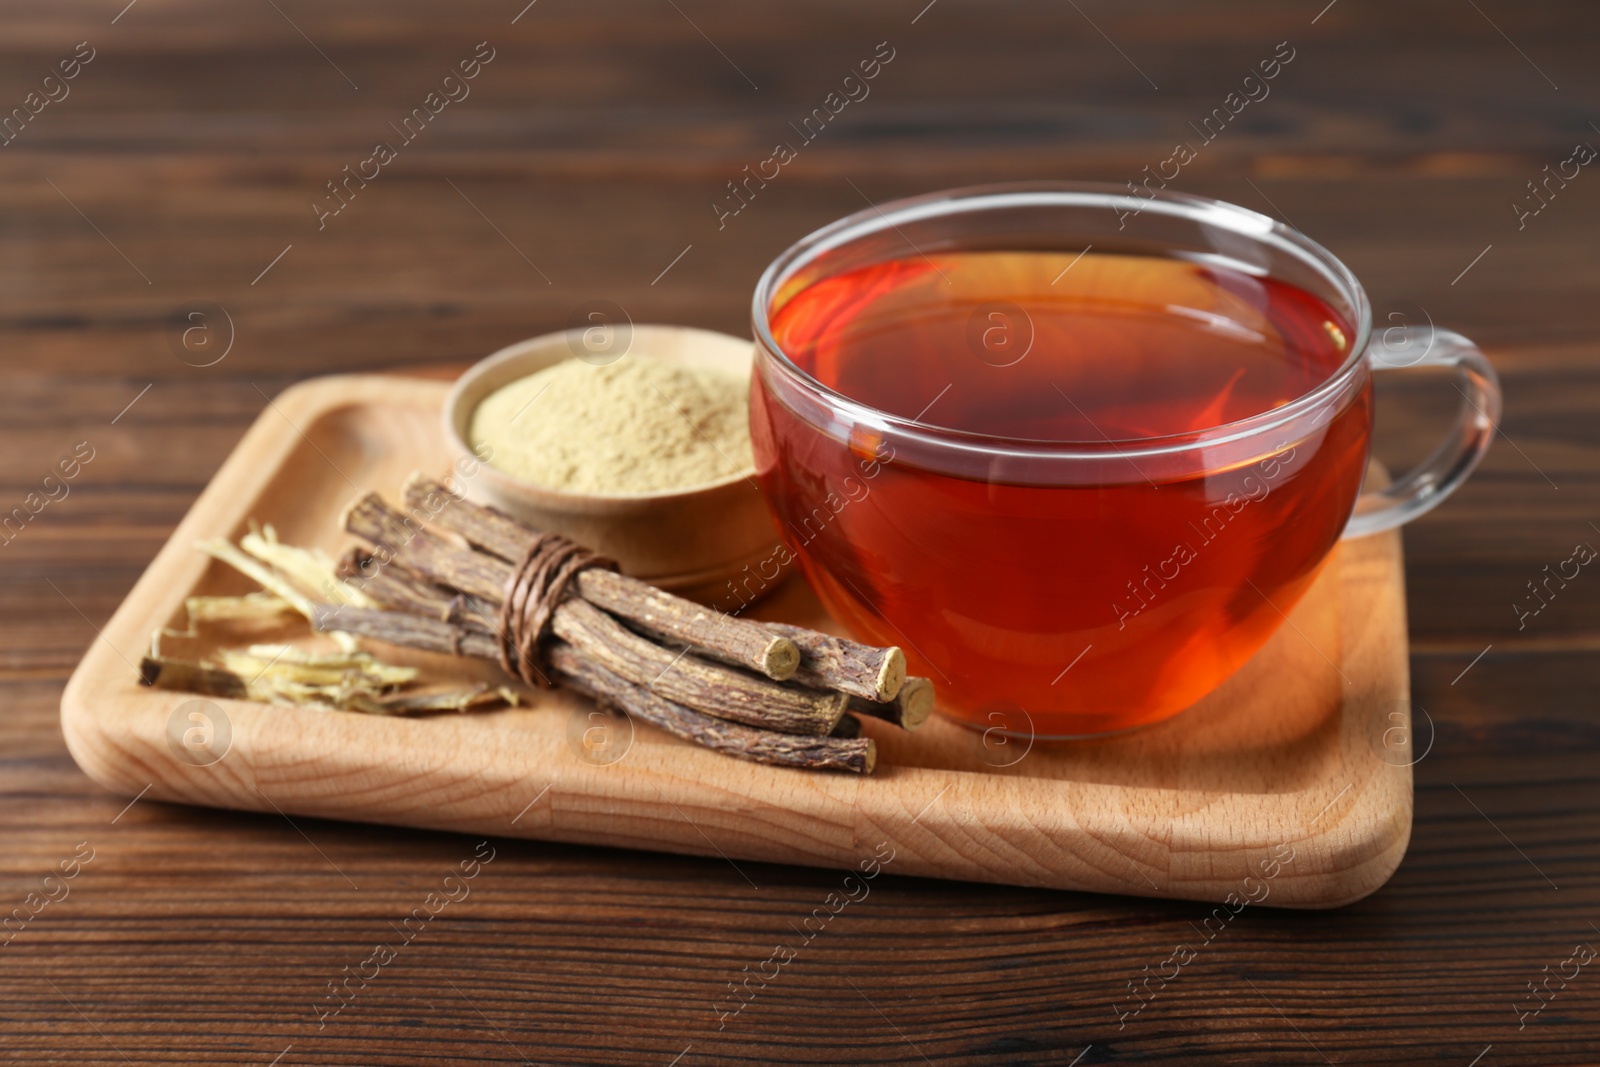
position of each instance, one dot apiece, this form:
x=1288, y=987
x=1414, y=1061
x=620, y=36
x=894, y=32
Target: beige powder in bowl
x=634, y=426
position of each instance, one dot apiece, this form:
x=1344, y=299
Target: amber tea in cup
x=1079, y=471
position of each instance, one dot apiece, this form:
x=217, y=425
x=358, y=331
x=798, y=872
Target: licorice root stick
x=737, y=641
x=857, y=755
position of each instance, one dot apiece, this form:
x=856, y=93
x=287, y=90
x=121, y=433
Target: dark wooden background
x=186, y=158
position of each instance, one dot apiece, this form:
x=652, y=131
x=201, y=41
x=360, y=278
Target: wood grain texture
x=596, y=142
x=1288, y=755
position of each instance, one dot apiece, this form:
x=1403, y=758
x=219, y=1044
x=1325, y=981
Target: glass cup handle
x=1425, y=486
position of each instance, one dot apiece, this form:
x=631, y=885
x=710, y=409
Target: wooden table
x=177, y=174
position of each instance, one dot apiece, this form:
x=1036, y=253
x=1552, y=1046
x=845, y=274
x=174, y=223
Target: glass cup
x=1101, y=585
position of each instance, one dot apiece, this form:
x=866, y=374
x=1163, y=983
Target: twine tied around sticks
x=537, y=585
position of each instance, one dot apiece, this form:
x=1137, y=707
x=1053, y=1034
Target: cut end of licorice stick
x=916, y=702
x=780, y=659
x=892, y=675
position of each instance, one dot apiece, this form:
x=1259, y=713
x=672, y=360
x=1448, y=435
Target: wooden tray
x=1303, y=754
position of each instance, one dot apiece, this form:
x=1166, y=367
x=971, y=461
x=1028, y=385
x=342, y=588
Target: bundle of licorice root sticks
x=552, y=612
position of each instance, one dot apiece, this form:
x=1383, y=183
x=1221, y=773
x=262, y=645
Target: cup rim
x=973, y=198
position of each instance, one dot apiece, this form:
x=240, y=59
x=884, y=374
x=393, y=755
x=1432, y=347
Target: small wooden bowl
x=691, y=541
